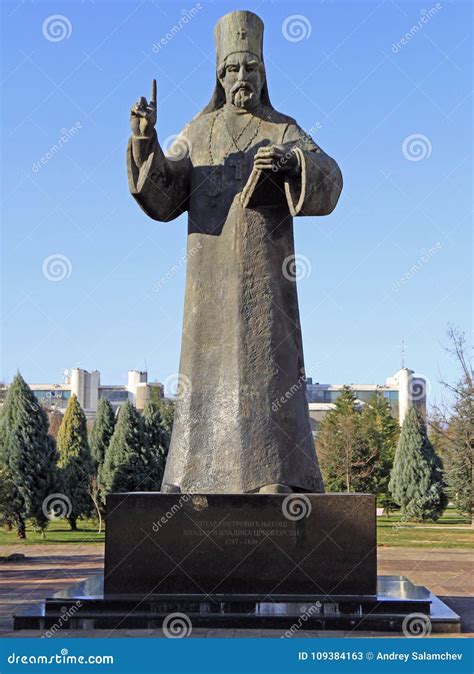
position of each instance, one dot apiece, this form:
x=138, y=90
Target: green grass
x=448, y=532
x=58, y=531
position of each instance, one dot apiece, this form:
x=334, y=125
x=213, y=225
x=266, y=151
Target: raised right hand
x=143, y=115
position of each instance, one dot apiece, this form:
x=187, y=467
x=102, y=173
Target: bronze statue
x=241, y=170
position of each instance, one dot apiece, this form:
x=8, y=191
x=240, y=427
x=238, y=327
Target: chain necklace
x=237, y=138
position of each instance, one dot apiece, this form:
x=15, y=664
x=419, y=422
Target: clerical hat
x=237, y=32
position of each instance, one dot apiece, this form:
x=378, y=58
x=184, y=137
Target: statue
x=241, y=170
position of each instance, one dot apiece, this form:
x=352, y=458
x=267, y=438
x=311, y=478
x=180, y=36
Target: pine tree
x=27, y=456
x=416, y=481
x=154, y=439
x=102, y=431
x=167, y=417
x=343, y=456
x=75, y=462
x=124, y=468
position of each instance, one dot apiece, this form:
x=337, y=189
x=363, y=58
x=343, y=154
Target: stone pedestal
x=241, y=560
x=255, y=545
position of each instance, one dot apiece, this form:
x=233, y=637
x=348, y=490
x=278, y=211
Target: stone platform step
x=397, y=600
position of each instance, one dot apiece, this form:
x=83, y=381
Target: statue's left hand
x=275, y=158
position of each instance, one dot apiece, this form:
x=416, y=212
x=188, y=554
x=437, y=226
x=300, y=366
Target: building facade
x=88, y=389
x=401, y=391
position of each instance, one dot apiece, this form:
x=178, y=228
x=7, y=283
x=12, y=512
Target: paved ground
x=47, y=569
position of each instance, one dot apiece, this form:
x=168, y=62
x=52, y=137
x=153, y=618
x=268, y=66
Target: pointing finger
x=153, y=93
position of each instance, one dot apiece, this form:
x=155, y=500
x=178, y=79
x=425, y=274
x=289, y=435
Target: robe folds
x=241, y=418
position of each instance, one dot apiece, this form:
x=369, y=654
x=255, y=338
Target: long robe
x=241, y=418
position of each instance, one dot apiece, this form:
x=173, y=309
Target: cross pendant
x=238, y=164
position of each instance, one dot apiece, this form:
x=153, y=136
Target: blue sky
x=391, y=263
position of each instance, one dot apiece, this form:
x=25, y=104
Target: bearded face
x=242, y=78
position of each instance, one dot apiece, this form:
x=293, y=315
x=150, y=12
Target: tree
x=452, y=427
x=27, y=457
x=102, y=432
x=416, y=481
x=8, y=517
x=155, y=437
x=379, y=432
x=167, y=408
x=347, y=462
x=125, y=468
x=99, y=440
x=75, y=462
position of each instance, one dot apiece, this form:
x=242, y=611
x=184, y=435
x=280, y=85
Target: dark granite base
x=241, y=544
x=84, y=606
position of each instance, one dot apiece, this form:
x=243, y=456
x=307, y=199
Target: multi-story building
x=401, y=391
x=88, y=389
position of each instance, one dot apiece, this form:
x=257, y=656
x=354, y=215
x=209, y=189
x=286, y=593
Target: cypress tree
x=75, y=462
x=100, y=437
x=27, y=456
x=124, y=468
x=154, y=439
x=102, y=431
x=416, y=481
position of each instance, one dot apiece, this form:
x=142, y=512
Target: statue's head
x=242, y=77
x=240, y=69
